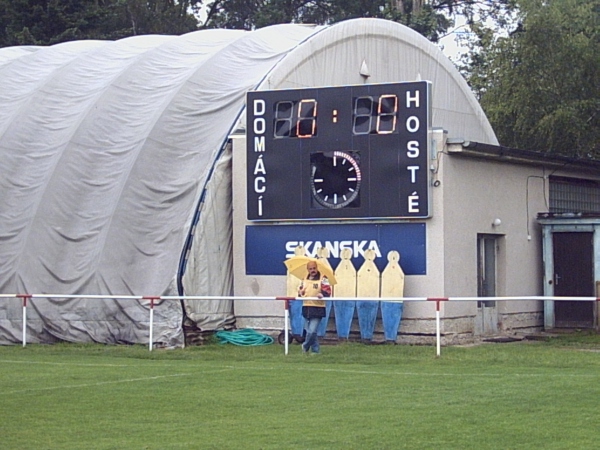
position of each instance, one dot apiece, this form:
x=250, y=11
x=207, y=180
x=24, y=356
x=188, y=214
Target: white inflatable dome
x=115, y=173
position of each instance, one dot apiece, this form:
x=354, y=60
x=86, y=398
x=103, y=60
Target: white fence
x=285, y=300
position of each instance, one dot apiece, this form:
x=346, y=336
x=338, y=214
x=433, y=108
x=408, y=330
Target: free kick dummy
x=345, y=274
x=323, y=255
x=293, y=283
x=392, y=285
x=367, y=286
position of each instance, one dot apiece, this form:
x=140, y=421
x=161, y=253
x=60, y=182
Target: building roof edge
x=519, y=156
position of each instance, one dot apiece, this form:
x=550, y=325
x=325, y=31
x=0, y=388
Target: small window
x=573, y=195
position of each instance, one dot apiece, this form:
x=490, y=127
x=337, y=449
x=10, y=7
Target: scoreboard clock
x=339, y=152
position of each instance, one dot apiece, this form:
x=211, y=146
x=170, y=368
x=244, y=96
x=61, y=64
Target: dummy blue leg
x=367, y=314
x=344, y=312
x=296, y=319
x=323, y=325
x=391, y=314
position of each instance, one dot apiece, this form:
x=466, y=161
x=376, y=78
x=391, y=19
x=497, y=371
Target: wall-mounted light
x=364, y=70
x=496, y=222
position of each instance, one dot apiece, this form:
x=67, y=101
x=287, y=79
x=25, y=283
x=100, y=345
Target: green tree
x=431, y=18
x=44, y=22
x=159, y=16
x=539, y=84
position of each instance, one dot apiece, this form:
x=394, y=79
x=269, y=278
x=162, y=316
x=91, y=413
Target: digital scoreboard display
x=339, y=152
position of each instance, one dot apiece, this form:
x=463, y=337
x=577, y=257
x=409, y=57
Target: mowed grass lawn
x=493, y=396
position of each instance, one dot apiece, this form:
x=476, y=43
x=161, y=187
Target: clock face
x=335, y=179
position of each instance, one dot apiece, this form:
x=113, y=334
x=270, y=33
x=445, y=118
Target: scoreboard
x=339, y=152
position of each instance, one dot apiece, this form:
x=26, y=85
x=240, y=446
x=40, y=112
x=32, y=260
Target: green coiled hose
x=244, y=337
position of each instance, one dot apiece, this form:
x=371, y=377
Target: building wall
x=476, y=192
x=269, y=315
x=261, y=314
x=467, y=195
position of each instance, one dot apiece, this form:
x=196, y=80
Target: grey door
x=573, y=255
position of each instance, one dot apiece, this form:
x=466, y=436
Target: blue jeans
x=311, y=341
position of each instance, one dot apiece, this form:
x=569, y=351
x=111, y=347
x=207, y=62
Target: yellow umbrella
x=296, y=265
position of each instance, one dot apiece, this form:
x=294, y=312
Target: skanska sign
x=267, y=246
x=334, y=247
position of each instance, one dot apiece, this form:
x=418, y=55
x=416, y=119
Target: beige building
x=484, y=238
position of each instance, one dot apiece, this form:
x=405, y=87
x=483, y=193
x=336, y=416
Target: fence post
x=597, y=304
x=286, y=317
x=150, y=337
x=24, y=298
x=438, y=338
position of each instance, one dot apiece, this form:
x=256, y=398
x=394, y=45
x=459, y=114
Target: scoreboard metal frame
x=348, y=152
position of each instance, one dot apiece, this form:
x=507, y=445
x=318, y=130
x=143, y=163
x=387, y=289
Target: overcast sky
x=448, y=43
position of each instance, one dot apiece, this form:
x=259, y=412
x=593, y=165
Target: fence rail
x=152, y=299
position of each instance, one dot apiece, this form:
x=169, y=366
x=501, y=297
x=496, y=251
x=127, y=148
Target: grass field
x=494, y=396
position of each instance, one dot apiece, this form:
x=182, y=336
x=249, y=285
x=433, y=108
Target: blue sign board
x=267, y=246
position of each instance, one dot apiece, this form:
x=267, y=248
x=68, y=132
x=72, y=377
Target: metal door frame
x=560, y=224
x=486, y=320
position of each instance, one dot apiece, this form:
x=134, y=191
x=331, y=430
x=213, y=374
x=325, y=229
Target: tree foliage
x=44, y=22
x=430, y=18
x=540, y=83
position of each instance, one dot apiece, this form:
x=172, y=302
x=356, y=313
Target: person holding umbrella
x=313, y=289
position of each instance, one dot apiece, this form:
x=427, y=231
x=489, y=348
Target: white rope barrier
x=153, y=299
